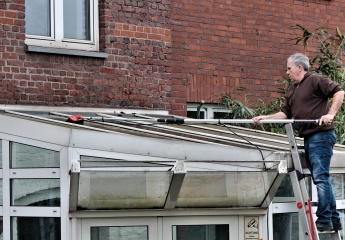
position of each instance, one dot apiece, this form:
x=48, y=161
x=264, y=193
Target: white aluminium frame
x=56, y=40
x=8, y=211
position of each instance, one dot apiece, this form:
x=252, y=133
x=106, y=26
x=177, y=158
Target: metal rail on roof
x=99, y=120
x=205, y=135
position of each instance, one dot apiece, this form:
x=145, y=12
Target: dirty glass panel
x=25, y=156
x=38, y=228
x=119, y=233
x=37, y=17
x=338, y=184
x=35, y=192
x=225, y=189
x=201, y=232
x=76, y=14
x=122, y=190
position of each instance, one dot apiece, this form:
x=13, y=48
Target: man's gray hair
x=300, y=59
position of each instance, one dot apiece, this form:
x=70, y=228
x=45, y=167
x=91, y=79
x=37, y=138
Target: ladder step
x=300, y=146
x=328, y=232
x=314, y=204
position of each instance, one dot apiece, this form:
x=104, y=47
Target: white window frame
x=7, y=211
x=56, y=40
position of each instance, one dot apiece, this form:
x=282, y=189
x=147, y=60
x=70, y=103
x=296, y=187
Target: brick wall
x=135, y=34
x=162, y=53
x=223, y=44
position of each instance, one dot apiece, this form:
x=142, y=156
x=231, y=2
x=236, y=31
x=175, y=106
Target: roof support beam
x=175, y=185
x=74, y=185
x=282, y=172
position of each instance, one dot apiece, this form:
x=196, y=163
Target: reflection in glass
x=1, y=191
x=37, y=17
x=225, y=189
x=38, y=228
x=0, y=153
x=286, y=226
x=194, y=114
x=118, y=190
x=119, y=233
x=285, y=191
x=1, y=227
x=338, y=184
x=76, y=15
x=25, y=156
x=35, y=192
x=201, y=232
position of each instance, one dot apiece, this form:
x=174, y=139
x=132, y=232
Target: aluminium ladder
x=301, y=195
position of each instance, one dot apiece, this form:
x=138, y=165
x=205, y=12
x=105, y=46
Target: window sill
x=29, y=48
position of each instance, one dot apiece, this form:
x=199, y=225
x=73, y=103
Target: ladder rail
x=301, y=193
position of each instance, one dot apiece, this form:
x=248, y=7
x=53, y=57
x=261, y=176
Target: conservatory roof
x=123, y=161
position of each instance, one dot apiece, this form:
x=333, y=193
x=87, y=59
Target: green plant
x=238, y=110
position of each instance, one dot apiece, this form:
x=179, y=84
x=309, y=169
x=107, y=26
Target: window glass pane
x=119, y=233
x=25, y=156
x=76, y=16
x=285, y=191
x=338, y=183
x=38, y=228
x=1, y=192
x=35, y=192
x=1, y=228
x=286, y=226
x=201, y=232
x=194, y=114
x=220, y=115
x=0, y=153
x=37, y=17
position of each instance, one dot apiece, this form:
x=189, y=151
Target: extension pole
x=175, y=120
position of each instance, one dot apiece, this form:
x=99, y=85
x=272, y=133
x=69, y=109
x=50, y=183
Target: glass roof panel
x=225, y=189
x=123, y=190
x=95, y=162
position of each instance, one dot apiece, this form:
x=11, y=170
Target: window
x=40, y=228
x=207, y=111
x=66, y=24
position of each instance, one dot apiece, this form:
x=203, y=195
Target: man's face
x=294, y=72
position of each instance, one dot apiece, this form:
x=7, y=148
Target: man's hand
x=257, y=119
x=326, y=119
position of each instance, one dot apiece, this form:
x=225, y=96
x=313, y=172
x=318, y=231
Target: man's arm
x=278, y=115
x=338, y=98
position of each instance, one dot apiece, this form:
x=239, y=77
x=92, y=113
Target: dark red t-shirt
x=309, y=100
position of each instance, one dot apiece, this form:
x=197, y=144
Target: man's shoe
x=324, y=227
x=337, y=226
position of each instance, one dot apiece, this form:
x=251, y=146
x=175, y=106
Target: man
x=307, y=98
